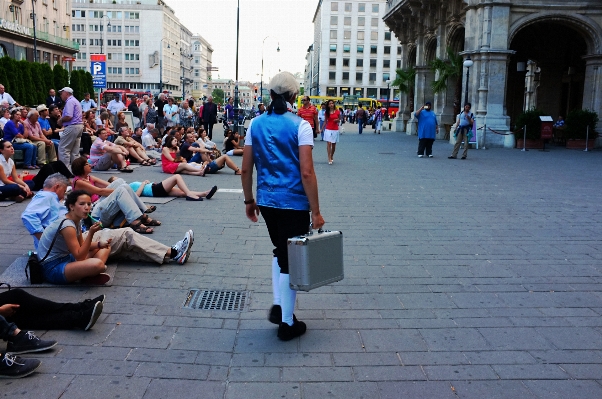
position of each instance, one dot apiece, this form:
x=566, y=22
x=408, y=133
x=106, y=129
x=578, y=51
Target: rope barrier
x=505, y=134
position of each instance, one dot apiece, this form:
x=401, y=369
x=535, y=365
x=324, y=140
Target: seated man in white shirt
x=149, y=141
x=103, y=153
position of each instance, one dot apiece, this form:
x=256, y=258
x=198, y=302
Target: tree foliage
x=404, y=80
x=218, y=96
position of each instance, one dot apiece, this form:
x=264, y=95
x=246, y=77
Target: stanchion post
x=586, y=139
x=484, y=136
x=524, y=138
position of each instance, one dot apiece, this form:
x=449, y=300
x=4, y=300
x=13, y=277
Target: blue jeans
x=30, y=153
x=360, y=123
x=54, y=271
x=13, y=190
x=196, y=158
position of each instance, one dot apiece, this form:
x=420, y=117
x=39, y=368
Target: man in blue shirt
x=428, y=127
x=45, y=125
x=87, y=103
x=230, y=109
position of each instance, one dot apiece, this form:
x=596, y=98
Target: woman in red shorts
x=171, y=163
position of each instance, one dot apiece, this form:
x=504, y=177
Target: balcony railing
x=47, y=37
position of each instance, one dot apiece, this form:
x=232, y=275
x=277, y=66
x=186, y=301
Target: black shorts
x=159, y=190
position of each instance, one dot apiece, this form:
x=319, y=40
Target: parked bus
x=391, y=105
x=339, y=102
x=126, y=95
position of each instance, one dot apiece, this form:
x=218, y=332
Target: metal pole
x=35, y=43
x=101, y=42
x=236, y=103
x=586, y=139
x=161, y=67
x=484, y=135
x=466, y=92
x=524, y=138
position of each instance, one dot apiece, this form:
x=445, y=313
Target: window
x=358, y=76
x=361, y=7
x=132, y=15
x=115, y=56
x=347, y=21
x=373, y=49
x=132, y=43
x=372, y=63
x=386, y=64
x=347, y=7
x=387, y=49
x=333, y=48
x=97, y=14
x=374, y=21
x=334, y=20
x=360, y=49
x=197, y=46
x=345, y=75
x=131, y=29
x=132, y=57
x=334, y=6
x=332, y=75
x=386, y=76
x=361, y=21
x=333, y=62
x=359, y=62
x=360, y=35
x=399, y=50
x=331, y=91
x=371, y=92
x=347, y=34
x=114, y=70
x=387, y=35
x=372, y=77
x=197, y=60
x=345, y=62
x=374, y=35
x=333, y=34
x=346, y=48
x=375, y=8
x=197, y=73
x=398, y=63
x=78, y=13
x=114, y=14
x=114, y=28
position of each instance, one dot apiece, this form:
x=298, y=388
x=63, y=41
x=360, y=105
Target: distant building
x=202, y=53
x=53, y=31
x=353, y=51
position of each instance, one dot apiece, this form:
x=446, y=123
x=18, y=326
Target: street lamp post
x=388, y=93
x=102, y=20
x=261, y=83
x=467, y=64
x=161, y=65
x=35, y=44
x=236, y=103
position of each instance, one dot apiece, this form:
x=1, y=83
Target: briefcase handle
x=311, y=228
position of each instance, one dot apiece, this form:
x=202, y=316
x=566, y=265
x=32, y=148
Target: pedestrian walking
x=73, y=123
x=321, y=114
x=209, y=116
x=331, y=129
x=427, y=129
x=309, y=113
x=360, y=116
x=279, y=145
x=463, y=132
x=378, y=121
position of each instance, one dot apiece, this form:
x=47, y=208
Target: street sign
x=98, y=69
x=68, y=59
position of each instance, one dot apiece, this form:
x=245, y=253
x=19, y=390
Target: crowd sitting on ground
x=77, y=221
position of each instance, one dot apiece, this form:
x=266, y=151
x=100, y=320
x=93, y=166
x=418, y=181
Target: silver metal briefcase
x=315, y=259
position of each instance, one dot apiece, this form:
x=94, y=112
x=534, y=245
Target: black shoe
x=27, y=342
x=463, y=157
x=286, y=332
x=450, y=157
x=275, y=315
x=90, y=303
x=17, y=367
x=91, y=315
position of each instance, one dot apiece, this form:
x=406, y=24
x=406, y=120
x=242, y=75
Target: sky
x=288, y=23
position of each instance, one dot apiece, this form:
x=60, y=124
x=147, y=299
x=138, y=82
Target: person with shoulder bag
x=463, y=132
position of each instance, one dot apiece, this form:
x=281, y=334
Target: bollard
x=586, y=139
x=524, y=138
x=484, y=135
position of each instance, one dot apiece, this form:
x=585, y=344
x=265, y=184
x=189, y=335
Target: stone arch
x=589, y=29
x=456, y=38
x=430, y=47
x=411, y=56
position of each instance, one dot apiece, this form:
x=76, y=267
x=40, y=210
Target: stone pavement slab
x=463, y=279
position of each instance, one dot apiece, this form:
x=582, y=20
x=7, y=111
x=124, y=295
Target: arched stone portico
x=487, y=30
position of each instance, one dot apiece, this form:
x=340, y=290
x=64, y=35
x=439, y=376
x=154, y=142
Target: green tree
x=449, y=69
x=29, y=94
x=89, y=84
x=38, y=83
x=76, y=83
x=218, y=96
x=60, y=80
x=302, y=91
x=48, y=78
x=405, y=79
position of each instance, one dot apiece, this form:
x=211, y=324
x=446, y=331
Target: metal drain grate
x=386, y=153
x=233, y=301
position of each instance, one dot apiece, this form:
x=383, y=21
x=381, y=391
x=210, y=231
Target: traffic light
x=254, y=98
x=255, y=87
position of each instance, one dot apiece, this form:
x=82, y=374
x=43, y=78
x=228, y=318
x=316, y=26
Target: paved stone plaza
x=463, y=279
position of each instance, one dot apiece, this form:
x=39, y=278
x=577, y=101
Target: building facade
x=539, y=53
x=53, y=31
x=202, y=53
x=147, y=47
x=353, y=51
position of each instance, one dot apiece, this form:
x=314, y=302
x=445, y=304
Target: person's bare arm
x=84, y=185
x=310, y=184
x=79, y=249
x=251, y=210
x=165, y=152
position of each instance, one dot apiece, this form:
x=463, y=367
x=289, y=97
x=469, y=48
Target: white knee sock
x=276, y=280
x=287, y=297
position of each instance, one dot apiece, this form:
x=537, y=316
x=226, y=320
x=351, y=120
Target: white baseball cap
x=67, y=89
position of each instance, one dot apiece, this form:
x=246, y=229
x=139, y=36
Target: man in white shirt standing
x=116, y=105
x=4, y=96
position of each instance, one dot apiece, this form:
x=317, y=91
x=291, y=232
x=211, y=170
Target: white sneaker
x=183, y=247
x=420, y=156
x=430, y=156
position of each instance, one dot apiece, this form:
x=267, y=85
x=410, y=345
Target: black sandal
x=150, y=209
x=149, y=222
x=140, y=228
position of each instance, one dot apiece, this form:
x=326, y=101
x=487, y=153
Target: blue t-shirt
x=44, y=123
x=427, y=125
x=229, y=111
x=147, y=191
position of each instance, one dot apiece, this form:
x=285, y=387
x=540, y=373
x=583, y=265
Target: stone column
x=419, y=85
x=592, y=93
x=403, y=115
x=443, y=101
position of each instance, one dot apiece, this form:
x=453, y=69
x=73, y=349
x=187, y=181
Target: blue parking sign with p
x=98, y=69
